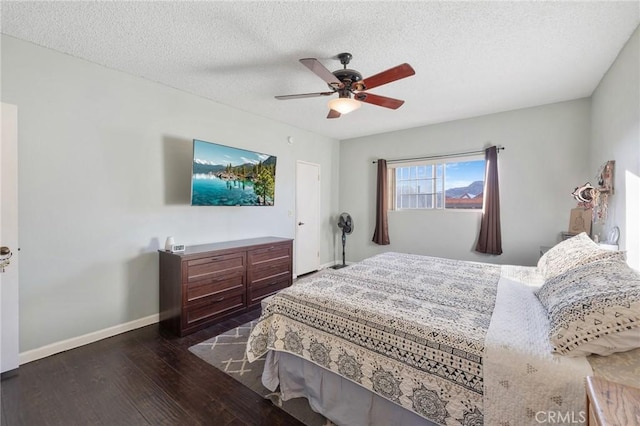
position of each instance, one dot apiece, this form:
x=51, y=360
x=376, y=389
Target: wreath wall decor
x=597, y=199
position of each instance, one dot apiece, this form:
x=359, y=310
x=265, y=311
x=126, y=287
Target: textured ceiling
x=471, y=58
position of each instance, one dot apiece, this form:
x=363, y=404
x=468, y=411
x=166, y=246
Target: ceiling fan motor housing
x=347, y=74
x=348, y=77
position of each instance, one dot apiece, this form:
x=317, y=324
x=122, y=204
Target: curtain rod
x=459, y=154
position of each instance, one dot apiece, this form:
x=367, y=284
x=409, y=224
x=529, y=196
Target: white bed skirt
x=339, y=400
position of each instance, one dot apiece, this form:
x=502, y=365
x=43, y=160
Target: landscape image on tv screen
x=227, y=176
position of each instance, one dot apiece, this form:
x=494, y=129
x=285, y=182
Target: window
x=437, y=185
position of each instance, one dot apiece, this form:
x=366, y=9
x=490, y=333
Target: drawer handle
x=215, y=279
x=219, y=299
x=278, y=265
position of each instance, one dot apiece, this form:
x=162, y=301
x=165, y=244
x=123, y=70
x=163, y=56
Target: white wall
x=104, y=178
x=615, y=119
x=546, y=156
x=104, y=167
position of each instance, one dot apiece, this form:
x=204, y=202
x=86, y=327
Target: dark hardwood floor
x=143, y=377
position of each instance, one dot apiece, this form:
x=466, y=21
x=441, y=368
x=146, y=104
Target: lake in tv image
x=228, y=176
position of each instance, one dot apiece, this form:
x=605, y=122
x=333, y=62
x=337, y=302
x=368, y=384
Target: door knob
x=5, y=255
x=300, y=223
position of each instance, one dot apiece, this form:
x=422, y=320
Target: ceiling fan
x=347, y=82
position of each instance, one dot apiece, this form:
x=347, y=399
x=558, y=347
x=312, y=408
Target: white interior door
x=307, y=217
x=9, y=238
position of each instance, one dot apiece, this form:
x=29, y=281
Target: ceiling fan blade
x=304, y=95
x=382, y=101
x=321, y=71
x=392, y=74
x=333, y=114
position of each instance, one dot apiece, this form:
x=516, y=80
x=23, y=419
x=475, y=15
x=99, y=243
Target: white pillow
x=610, y=344
x=575, y=251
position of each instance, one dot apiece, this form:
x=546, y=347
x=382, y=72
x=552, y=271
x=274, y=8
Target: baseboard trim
x=76, y=342
x=335, y=262
x=9, y=374
x=327, y=265
x=320, y=268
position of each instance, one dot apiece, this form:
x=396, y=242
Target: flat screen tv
x=226, y=176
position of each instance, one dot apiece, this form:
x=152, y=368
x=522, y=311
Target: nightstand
x=608, y=246
x=544, y=249
x=611, y=404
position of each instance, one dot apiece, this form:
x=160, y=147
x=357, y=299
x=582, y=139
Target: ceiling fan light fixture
x=344, y=105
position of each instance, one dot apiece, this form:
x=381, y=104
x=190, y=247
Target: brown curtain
x=490, y=238
x=381, y=234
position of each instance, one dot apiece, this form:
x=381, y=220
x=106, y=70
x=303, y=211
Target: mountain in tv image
x=204, y=168
x=226, y=176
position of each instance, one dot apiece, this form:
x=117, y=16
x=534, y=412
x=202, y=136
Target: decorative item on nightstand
x=580, y=221
x=611, y=243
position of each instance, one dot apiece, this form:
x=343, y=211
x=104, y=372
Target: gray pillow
x=587, y=302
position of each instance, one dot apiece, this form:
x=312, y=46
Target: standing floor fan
x=345, y=222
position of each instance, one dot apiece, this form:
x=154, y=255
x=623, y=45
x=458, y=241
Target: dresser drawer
x=196, y=291
x=267, y=288
x=257, y=257
x=280, y=267
x=205, y=267
x=213, y=306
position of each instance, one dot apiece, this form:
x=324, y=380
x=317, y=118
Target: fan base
x=346, y=74
x=345, y=58
x=339, y=266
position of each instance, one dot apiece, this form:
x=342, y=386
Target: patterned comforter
x=409, y=328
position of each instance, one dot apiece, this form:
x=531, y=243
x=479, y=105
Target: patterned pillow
x=573, y=252
x=593, y=300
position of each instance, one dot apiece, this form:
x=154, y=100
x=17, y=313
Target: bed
x=408, y=339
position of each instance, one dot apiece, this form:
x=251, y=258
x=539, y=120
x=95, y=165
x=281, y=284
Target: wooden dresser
x=612, y=404
x=210, y=282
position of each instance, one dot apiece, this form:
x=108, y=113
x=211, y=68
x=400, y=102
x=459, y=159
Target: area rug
x=226, y=352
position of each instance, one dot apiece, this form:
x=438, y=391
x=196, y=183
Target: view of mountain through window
x=451, y=185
